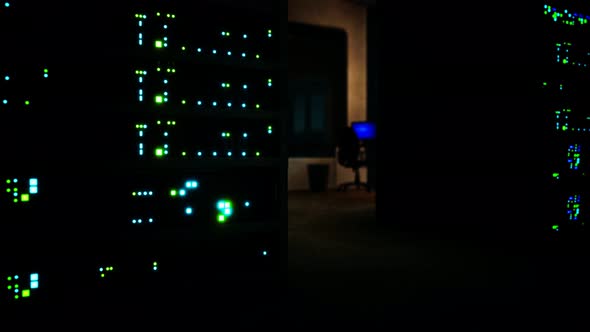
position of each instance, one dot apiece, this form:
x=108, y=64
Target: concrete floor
x=346, y=268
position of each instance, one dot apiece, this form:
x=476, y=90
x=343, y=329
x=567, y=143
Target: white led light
x=243, y=55
x=165, y=26
x=245, y=135
x=188, y=210
x=243, y=153
x=228, y=52
x=229, y=154
x=199, y=50
x=33, y=182
x=246, y=204
x=140, y=23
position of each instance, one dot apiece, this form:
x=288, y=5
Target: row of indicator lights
x=140, y=221
x=573, y=156
x=25, y=197
x=227, y=85
x=566, y=17
x=245, y=36
x=215, y=52
x=214, y=103
x=573, y=207
x=142, y=193
x=14, y=287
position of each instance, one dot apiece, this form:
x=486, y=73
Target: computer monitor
x=364, y=130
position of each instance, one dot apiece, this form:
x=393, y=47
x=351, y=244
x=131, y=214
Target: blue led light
x=188, y=210
x=33, y=190
x=6, y=4
x=45, y=75
x=243, y=154
x=4, y=101
x=199, y=153
x=246, y=204
x=34, y=284
x=245, y=86
x=229, y=104
x=214, y=51
x=165, y=26
x=6, y=78
x=16, y=277
x=229, y=154
x=199, y=102
x=228, y=52
x=214, y=103
x=182, y=192
x=245, y=36
x=34, y=276
x=214, y=154
x=243, y=105
x=165, y=81
x=264, y=253
x=243, y=55
x=199, y=50
x=220, y=205
x=33, y=182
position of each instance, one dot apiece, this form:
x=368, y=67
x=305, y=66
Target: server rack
x=143, y=151
x=564, y=88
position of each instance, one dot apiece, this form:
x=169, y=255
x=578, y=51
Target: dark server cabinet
x=565, y=94
x=143, y=160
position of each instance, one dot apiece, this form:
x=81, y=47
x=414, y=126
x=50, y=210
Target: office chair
x=349, y=155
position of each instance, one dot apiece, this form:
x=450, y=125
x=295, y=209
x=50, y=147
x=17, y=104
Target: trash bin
x=318, y=177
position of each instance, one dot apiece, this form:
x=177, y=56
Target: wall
x=352, y=18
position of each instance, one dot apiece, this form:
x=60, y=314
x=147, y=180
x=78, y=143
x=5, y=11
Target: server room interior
x=459, y=231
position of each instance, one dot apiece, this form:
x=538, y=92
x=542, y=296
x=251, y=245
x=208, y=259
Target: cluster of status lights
x=21, y=289
x=160, y=39
x=573, y=156
x=565, y=16
x=562, y=121
x=21, y=191
x=573, y=207
x=104, y=271
x=26, y=102
x=164, y=75
x=563, y=55
x=165, y=129
x=224, y=210
x=182, y=192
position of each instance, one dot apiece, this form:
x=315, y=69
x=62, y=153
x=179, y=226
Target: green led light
x=257, y=56
x=555, y=175
x=45, y=70
x=555, y=227
x=159, y=44
x=9, y=278
x=9, y=287
x=16, y=297
x=27, y=102
x=183, y=153
x=24, y=197
x=7, y=190
x=8, y=181
x=173, y=192
x=184, y=102
x=102, y=275
x=545, y=83
x=257, y=154
x=26, y=293
x=159, y=99
x=257, y=105
x=155, y=263
x=220, y=218
x=159, y=152
x=184, y=48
